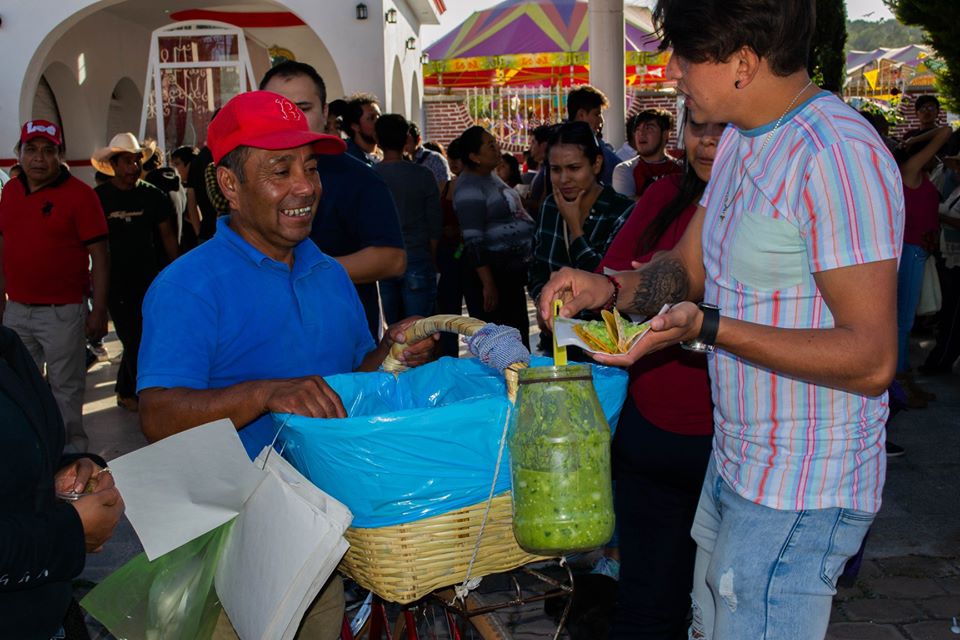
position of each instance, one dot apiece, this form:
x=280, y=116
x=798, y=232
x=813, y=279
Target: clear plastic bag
x=171, y=598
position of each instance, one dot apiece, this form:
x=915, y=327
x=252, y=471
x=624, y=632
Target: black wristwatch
x=708, y=330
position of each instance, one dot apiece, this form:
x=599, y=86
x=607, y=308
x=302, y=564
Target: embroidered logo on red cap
x=288, y=110
x=40, y=128
x=36, y=127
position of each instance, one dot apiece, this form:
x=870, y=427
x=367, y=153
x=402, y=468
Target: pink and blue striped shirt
x=824, y=194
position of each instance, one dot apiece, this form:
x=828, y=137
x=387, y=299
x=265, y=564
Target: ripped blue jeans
x=765, y=573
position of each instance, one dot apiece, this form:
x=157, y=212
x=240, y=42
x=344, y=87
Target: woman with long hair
x=496, y=236
x=664, y=437
x=581, y=216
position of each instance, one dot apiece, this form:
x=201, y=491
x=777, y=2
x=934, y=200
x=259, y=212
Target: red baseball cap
x=40, y=129
x=265, y=120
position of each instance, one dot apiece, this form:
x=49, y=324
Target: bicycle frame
x=379, y=622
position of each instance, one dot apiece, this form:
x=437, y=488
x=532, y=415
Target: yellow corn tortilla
x=626, y=331
x=614, y=334
x=596, y=335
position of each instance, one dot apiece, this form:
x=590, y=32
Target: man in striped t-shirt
x=793, y=252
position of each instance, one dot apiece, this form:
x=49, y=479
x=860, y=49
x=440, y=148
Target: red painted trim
x=244, y=20
x=441, y=6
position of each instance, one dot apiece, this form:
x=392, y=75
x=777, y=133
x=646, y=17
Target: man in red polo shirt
x=51, y=227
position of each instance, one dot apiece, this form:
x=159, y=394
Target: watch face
x=697, y=346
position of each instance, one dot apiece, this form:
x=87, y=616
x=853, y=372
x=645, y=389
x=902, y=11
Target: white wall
x=365, y=50
x=355, y=45
x=305, y=45
x=395, y=42
x=39, y=36
x=46, y=38
x=124, y=55
x=28, y=32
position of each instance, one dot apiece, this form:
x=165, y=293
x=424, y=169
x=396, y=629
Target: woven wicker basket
x=404, y=562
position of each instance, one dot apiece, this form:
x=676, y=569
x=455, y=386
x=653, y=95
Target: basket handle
x=448, y=323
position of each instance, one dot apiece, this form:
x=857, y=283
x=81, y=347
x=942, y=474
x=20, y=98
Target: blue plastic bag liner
x=418, y=444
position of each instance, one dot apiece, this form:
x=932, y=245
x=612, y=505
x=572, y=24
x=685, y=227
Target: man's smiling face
x=277, y=199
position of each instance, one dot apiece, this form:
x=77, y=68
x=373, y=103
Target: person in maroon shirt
x=651, y=132
x=664, y=436
x=921, y=235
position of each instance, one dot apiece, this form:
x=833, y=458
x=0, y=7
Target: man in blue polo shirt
x=249, y=322
x=357, y=222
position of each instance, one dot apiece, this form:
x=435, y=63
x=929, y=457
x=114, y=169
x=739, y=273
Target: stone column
x=607, y=64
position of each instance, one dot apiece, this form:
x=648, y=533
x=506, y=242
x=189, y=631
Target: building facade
x=84, y=63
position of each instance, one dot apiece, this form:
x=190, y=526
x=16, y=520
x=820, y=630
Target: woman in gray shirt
x=497, y=236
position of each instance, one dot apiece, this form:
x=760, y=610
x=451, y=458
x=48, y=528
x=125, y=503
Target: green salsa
x=560, y=463
x=561, y=512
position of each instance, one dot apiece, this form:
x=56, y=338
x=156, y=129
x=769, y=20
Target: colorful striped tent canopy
x=537, y=42
x=911, y=55
x=878, y=72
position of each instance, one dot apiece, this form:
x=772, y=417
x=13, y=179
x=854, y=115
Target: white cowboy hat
x=120, y=143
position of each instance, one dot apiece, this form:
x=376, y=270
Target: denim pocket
x=768, y=253
x=848, y=532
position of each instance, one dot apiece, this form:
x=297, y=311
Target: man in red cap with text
x=248, y=323
x=52, y=227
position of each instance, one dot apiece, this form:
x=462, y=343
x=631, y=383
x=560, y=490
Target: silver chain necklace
x=727, y=201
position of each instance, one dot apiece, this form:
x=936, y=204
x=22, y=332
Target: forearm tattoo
x=663, y=281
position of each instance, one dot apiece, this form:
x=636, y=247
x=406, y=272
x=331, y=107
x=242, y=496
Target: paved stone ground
x=908, y=588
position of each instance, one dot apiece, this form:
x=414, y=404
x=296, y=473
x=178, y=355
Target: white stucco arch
x=74, y=116
x=416, y=102
x=123, y=114
x=398, y=102
x=82, y=84
x=46, y=28
x=305, y=44
x=45, y=105
x=355, y=45
x=114, y=37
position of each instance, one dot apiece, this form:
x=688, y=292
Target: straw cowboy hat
x=120, y=143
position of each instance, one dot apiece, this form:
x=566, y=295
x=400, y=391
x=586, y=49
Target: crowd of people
x=787, y=236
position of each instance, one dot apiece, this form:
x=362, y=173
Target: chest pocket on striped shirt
x=768, y=253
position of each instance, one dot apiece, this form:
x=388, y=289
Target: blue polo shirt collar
x=306, y=255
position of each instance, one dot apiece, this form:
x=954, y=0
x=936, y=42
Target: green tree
x=941, y=20
x=863, y=35
x=827, y=62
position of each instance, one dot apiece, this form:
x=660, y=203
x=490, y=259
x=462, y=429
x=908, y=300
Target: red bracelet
x=612, y=301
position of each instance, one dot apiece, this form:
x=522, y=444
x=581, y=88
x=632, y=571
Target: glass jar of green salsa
x=560, y=462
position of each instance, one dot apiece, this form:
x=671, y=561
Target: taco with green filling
x=614, y=334
x=628, y=332
x=597, y=336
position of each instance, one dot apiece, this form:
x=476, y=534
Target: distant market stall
x=882, y=74
x=513, y=64
x=538, y=43
x=887, y=81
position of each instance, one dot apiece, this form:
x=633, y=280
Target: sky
x=460, y=10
